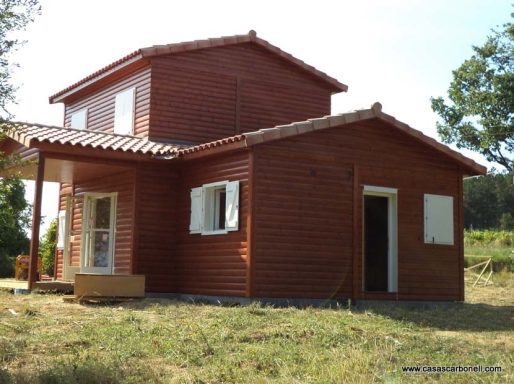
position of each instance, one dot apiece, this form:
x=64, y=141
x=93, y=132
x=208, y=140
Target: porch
x=43, y=285
x=97, y=200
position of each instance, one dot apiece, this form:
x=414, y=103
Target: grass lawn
x=43, y=340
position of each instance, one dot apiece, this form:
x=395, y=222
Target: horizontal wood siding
x=265, y=105
x=100, y=104
x=191, y=105
x=303, y=224
x=123, y=184
x=303, y=192
x=155, y=255
x=209, y=94
x=215, y=264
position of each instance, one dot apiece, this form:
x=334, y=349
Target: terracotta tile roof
x=157, y=50
x=31, y=134
x=283, y=131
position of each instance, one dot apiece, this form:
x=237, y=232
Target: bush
x=7, y=265
x=47, y=248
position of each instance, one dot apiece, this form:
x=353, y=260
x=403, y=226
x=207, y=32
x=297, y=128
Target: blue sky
x=397, y=52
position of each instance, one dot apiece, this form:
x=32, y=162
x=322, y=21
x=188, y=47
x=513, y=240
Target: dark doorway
x=376, y=245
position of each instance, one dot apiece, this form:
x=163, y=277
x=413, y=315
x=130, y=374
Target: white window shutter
x=195, y=225
x=61, y=229
x=124, y=112
x=79, y=119
x=232, y=206
x=439, y=219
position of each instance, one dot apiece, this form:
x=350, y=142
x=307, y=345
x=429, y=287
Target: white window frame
x=82, y=115
x=205, y=209
x=430, y=234
x=124, y=125
x=392, y=253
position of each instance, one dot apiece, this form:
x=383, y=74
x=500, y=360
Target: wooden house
x=214, y=168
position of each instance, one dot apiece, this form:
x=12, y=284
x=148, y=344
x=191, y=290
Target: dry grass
x=164, y=341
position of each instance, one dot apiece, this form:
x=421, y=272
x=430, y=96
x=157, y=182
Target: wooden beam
x=250, y=225
x=460, y=237
x=355, y=237
x=36, y=220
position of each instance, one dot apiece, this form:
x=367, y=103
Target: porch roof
x=30, y=135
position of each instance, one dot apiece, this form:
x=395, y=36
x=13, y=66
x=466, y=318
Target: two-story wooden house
x=206, y=167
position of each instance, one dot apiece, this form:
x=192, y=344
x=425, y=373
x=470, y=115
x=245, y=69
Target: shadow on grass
x=451, y=316
x=57, y=374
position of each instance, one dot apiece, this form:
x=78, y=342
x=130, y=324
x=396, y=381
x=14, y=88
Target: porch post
x=36, y=220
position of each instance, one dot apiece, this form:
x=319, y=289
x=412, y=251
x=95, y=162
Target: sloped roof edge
x=30, y=135
x=167, y=49
x=297, y=128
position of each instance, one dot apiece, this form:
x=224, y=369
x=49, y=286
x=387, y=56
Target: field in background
x=497, y=244
x=43, y=340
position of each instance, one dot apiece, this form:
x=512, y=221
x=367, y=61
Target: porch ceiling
x=66, y=171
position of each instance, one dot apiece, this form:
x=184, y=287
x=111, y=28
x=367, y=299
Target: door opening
x=379, y=239
x=376, y=243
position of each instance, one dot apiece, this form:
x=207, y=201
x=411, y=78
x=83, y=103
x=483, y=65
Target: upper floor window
x=79, y=119
x=124, y=112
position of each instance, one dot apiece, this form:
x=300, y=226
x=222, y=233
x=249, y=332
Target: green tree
x=489, y=202
x=14, y=16
x=14, y=218
x=14, y=210
x=480, y=112
x=48, y=247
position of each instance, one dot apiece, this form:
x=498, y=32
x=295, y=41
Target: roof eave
x=280, y=132
x=63, y=95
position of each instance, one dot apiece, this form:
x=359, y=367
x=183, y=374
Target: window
x=124, y=112
x=61, y=227
x=79, y=119
x=215, y=208
x=439, y=219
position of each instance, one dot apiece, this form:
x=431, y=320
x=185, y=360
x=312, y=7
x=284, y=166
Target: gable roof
x=298, y=128
x=31, y=134
x=176, y=48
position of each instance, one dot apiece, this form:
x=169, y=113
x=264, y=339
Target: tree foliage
x=489, y=202
x=14, y=210
x=48, y=247
x=480, y=114
x=14, y=16
x=14, y=219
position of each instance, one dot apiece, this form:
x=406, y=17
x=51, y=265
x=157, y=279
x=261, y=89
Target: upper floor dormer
x=199, y=91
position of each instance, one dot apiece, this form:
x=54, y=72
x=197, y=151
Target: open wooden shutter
x=195, y=225
x=232, y=206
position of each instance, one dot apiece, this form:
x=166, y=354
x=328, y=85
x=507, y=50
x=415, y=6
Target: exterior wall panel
x=213, y=264
x=304, y=234
x=209, y=94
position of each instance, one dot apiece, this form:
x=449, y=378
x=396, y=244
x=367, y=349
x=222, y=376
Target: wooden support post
x=356, y=272
x=36, y=220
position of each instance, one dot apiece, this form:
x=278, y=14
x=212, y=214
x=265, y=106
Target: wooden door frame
x=392, y=226
x=112, y=221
